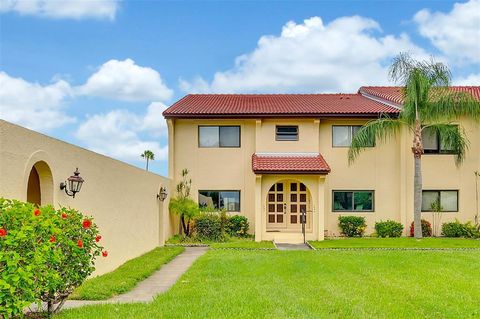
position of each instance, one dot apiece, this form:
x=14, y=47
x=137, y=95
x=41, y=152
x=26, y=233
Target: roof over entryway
x=289, y=163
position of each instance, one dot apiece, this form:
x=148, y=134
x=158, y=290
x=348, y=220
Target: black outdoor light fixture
x=163, y=194
x=73, y=184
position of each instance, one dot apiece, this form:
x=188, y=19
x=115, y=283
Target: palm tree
x=428, y=103
x=148, y=155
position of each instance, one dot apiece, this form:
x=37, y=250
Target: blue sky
x=98, y=73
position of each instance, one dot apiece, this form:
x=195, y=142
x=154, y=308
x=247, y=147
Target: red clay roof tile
x=394, y=94
x=276, y=105
x=291, y=163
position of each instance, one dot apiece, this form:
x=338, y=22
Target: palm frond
x=375, y=130
x=447, y=105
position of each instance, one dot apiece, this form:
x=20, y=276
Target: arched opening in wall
x=40, y=184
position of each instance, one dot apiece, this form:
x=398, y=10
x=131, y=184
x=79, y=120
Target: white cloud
x=35, y=106
x=457, y=33
x=154, y=121
x=472, y=79
x=125, y=80
x=74, y=9
x=312, y=57
x=118, y=134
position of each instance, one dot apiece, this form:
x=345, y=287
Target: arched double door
x=286, y=200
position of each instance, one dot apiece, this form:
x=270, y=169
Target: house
x=271, y=157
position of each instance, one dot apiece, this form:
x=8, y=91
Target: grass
x=231, y=242
x=125, y=277
x=402, y=242
x=315, y=284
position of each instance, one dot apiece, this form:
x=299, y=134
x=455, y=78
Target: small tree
x=149, y=156
x=437, y=210
x=182, y=205
x=477, y=221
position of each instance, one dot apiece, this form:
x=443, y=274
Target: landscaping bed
x=403, y=242
x=231, y=242
x=125, y=277
x=315, y=284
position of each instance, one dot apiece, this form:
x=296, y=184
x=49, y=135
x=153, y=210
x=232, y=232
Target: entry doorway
x=40, y=184
x=286, y=200
x=34, y=194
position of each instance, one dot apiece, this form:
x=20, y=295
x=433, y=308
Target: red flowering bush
x=426, y=229
x=44, y=255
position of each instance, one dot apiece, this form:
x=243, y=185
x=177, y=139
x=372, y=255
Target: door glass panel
x=303, y=197
x=271, y=197
x=293, y=208
x=279, y=208
x=271, y=218
x=271, y=208
x=279, y=197
x=293, y=197
x=303, y=188
x=293, y=219
x=293, y=187
x=279, y=187
x=279, y=218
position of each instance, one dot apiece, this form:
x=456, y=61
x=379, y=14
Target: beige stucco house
x=272, y=157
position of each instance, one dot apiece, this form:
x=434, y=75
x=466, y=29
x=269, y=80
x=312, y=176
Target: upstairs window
x=219, y=136
x=286, y=133
x=342, y=135
x=432, y=143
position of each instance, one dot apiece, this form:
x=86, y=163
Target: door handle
x=284, y=208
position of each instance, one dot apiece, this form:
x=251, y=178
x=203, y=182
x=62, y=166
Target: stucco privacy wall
x=121, y=198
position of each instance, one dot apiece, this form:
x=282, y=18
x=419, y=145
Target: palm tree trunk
x=147, y=164
x=417, y=150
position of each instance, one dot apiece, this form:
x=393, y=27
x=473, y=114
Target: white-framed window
x=228, y=200
x=353, y=201
x=218, y=136
x=342, y=135
x=286, y=133
x=448, y=200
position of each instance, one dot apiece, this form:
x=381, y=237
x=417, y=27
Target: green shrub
x=208, y=225
x=237, y=225
x=389, y=228
x=426, y=229
x=352, y=226
x=457, y=229
x=44, y=254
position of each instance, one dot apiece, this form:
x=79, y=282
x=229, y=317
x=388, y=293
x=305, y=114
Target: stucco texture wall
x=120, y=197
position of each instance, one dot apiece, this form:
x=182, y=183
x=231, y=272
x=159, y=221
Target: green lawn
x=125, y=277
x=315, y=284
x=403, y=242
x=233, y=242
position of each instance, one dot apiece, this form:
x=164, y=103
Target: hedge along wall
x=120, y=197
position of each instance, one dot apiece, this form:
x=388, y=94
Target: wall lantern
x=163, y=194
x=73, y=184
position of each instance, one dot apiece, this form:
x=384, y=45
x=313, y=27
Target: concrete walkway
x=281, y=246
x=159, y=282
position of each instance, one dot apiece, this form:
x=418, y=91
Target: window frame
x=221, y=191
x=293, y=140
x=353, y=200
x=440, y=197
x=219, y=132
x=439, y=150
x=351, y=126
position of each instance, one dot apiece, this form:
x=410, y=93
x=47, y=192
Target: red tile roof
x=394, y=94
x=276, y=105
x=290, y=163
